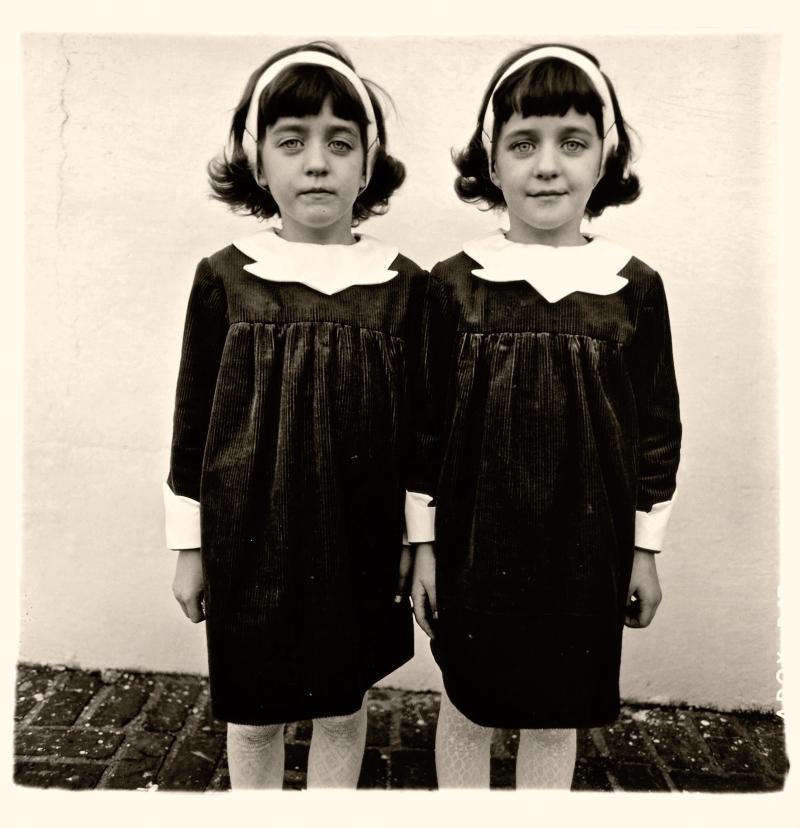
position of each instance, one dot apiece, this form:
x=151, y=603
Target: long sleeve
x=203, y=341
x=430, y=382
x=657, y=404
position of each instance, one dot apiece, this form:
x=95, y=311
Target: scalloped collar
x=555, y=272
x=327, y=268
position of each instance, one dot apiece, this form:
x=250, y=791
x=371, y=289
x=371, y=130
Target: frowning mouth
x=317, y=191
x=546, y=193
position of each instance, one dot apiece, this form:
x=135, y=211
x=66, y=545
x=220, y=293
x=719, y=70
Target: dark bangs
x=301, y=90
x=546, y=87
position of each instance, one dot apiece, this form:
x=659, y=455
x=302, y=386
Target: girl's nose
x=546, y=161
x=316, y=161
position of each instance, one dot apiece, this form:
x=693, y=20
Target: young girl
x=291, y=435
x=553, y=395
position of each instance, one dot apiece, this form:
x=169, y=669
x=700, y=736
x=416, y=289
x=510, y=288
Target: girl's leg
x=462, y=749
x=255, y=755
x=546, y=758
x=337, y=749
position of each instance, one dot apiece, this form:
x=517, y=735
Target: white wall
x=118, y=132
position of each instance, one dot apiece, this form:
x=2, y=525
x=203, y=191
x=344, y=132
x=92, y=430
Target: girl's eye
x=573, y=146
x=338, y=145
x=291, y=143
x=522, y=147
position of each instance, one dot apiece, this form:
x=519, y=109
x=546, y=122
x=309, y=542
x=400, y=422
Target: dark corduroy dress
x=556, y=422
x=292, y=430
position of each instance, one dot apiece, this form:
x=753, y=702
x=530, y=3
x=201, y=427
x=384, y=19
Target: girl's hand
x=187, y=587
x=402, y=575
x=644, y=591
x=423, y=587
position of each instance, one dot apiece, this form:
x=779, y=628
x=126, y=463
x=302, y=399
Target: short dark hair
x=549, y=86
x=301, y=90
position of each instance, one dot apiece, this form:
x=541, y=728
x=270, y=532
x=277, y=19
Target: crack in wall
x=61, y=133
x=74, y=320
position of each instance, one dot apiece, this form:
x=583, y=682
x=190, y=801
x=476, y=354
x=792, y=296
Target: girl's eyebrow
x=299, y=125
x=524, y=132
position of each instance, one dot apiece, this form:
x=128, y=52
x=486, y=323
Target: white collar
x=327, y=268
x=555, y=272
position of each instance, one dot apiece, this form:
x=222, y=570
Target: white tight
x=256, y=753
x=546, y=758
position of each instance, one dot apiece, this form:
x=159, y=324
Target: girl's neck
x=522, y=233
x=335, y=234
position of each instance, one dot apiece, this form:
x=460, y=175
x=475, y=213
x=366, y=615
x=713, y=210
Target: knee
x=343, y=727
x=254, y=735
x=551, y=738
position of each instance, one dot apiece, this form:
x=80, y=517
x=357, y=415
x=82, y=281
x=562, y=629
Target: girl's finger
x=195, y=610
x=431, y=590
x=647, y=611
x=632, y=611
x=403, y=573
x=419, y=602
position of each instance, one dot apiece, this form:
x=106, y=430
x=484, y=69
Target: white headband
x=610, y=136
x=250, y=134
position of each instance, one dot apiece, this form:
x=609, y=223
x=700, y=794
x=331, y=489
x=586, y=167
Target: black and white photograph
x=401, y=410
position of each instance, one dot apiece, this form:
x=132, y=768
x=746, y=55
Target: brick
x=69, y=775
x=169, y=710
x=625, y=742
x=76, y=742
x=728, y=783
x=418, y=721
x=767, y=736
x=632, y=776
x=67, y=702
x=32, y=684
x=123, y=701
x=302, y=731
x=296, y=757
x=139, y=760
x=710, y=724
x=412, y=769
x=379, y=725
x=374, y=769
x=294, y=780
x=505, y=743
x=221, y=780
x=590, y=775
x=379, y=694
x=676, y=741
x=735, y=755
x=207, y=723
x=192, y=767
x=502, y=773
x=586, y=746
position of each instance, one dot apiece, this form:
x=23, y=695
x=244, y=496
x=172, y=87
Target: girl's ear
x=493, y=175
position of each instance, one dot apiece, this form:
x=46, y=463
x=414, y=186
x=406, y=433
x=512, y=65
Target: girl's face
x=314, y=168
x=547, y=166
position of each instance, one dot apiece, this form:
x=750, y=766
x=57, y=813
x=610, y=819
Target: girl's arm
x=429, y=397
x=187, y=586
x=203, y=340
x=658, y=411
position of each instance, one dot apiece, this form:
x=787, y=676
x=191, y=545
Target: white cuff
x=651, y=527
x=182, y=520
x=420, y=518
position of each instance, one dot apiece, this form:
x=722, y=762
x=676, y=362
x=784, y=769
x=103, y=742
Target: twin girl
x=502, y=431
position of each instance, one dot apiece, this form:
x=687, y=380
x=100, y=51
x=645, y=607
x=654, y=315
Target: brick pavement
x=114, y=729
